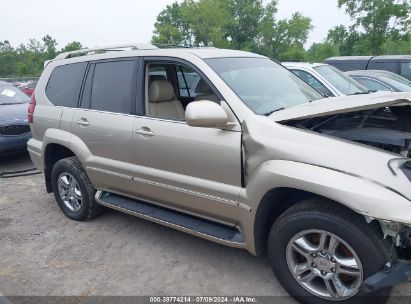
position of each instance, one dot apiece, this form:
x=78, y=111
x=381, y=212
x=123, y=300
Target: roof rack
x=112, y=48
x=171, y=46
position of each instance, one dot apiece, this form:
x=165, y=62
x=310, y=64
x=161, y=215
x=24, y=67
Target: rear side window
x=312, y=81
x=348, y=65
x=406, y=68
x=112, y=86
x=372, y=84
x=63, y=88
x=385, y=66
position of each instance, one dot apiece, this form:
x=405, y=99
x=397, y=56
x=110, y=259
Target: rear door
x=104, y=122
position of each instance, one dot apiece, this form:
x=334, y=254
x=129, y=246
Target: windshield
x=340, y=81
x=263, y=85
x=12, y=95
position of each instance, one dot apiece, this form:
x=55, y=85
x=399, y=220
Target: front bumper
x=14, y=143
x=389, y=277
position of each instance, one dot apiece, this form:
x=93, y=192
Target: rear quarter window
x=63, y=87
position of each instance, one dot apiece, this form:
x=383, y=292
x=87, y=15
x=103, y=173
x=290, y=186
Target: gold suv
x=234, y=148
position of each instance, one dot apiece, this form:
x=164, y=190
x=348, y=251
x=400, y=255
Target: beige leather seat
x=163, y=102
x=204, y=92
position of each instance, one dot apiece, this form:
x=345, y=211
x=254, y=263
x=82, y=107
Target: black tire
x=319, y=214
x=89, y=208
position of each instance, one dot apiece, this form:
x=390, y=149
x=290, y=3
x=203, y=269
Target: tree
x=171, y=27
x=238, y=24
x=318, y=52
x=395, y=47
x=378, y=21
x=348, y=41
x=72, y=46
x=244, y=17
x=290, y=37
x=50, y=46
x=7, y=59
x=28, y=59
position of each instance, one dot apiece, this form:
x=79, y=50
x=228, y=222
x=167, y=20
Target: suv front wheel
x=322, y=253
x=73, y=190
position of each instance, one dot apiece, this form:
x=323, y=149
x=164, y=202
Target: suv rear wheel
x=73, y=190
x=322, y=253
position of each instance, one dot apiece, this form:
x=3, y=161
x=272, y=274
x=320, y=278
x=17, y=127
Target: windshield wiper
x=269, y=113
x=362, y=93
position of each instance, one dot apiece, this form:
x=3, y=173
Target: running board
x=171, y=218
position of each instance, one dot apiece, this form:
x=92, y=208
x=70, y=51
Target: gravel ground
x=42, y=253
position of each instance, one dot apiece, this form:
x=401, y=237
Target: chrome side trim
x=174, y=188
x=124, y=176
x=167, y=224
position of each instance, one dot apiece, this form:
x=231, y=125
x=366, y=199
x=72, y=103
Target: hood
x=13, y=114
x=342, y=104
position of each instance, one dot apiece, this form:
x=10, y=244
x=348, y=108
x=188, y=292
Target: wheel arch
x=52, y=154
x=277, y=201
x=279, y=184
x=59, y=144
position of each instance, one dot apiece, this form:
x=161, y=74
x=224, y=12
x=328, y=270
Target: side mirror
x=206, y=114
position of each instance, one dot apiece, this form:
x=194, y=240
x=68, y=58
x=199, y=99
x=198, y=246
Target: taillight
x=32, y=105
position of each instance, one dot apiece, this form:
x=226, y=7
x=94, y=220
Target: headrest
x=157, y=77
x=203, y=87
x=160, y=91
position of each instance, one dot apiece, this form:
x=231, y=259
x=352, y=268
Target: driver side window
x=170, y=87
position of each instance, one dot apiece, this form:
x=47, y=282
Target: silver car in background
x=326, y=79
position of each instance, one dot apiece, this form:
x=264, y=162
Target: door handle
x=144, y=131
x=83, y=122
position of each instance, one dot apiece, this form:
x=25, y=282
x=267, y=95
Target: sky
x=109, y=22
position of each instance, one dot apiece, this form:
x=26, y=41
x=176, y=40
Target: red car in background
x=28, y=87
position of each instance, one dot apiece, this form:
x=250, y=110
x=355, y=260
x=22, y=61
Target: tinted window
x=348, y=66
x=64, y=85
x=111, y=90
x=386, y=66
x=372, y=84
x=406, y=68
x=314, y=82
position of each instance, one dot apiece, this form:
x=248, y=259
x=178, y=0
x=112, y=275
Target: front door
x=195, y=169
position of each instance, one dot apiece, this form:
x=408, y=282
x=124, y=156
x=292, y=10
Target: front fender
x=359, y=194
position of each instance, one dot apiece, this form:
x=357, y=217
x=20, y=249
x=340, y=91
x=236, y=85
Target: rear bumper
x=35, y=150
x=14, y=143
x=389, y=277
